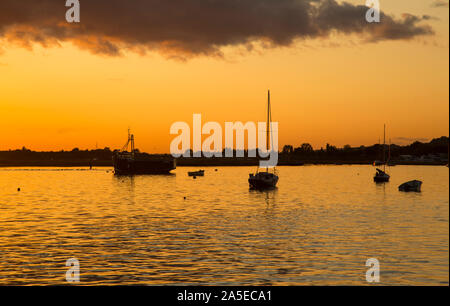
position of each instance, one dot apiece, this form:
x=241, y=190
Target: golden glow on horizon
x=61, y=98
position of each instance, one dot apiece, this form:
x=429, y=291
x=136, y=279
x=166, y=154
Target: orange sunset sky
x=60, y=90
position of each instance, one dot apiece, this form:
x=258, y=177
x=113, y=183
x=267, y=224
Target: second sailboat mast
x=384, y=148
x=268, y=122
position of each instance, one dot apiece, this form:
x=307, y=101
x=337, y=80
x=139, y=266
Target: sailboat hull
x=381, y=176
x=381, y=179
x=262, y=180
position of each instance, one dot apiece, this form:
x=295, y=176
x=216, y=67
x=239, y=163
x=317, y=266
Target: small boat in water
x=197, y=173
x=133, y=162
x=381, y=176
x=413, y=185
x=265, y=179
x=262, y=180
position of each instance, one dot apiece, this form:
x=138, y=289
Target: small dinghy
x=197, y=173
x=414, y=185
x=381, y=176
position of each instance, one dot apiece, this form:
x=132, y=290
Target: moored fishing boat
x=132, y=162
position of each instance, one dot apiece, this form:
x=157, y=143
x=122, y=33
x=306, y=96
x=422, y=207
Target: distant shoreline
x=434, y=153
x=212, y=163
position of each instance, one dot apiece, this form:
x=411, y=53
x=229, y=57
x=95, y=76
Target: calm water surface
x=318, y=227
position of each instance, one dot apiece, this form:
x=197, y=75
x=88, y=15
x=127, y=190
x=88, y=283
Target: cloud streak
x=439, y=3
x=184, y=28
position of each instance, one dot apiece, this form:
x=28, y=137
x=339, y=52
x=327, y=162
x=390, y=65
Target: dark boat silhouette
x=414, y=186
x=196, y=173
x=133, y=162
x=381, y=176
x=264, y=179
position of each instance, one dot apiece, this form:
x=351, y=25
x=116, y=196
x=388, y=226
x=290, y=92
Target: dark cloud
x=428, y=17
x=183, y=28
x=439, y=3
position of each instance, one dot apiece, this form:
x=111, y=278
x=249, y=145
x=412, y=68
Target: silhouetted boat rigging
x=389, y=162
x=134, y=162
x=265, y=179
x=381, y=176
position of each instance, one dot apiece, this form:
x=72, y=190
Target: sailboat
x=265, y=179
x=381, y=176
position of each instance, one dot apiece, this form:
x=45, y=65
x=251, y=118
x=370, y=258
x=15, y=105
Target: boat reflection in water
x=132, y=162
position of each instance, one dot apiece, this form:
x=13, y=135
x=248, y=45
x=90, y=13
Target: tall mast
x=389, y=151
x=130, y=142
x=268, y=122
x=384, y=143
x=268, y=125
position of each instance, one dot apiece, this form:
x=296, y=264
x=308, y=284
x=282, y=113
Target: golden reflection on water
x=318, y=227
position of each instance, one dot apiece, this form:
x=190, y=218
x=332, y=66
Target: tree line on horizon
x=305, y=151
x=373, y=152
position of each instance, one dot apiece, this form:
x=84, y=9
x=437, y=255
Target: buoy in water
x=195, y=177
x=18, y=189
